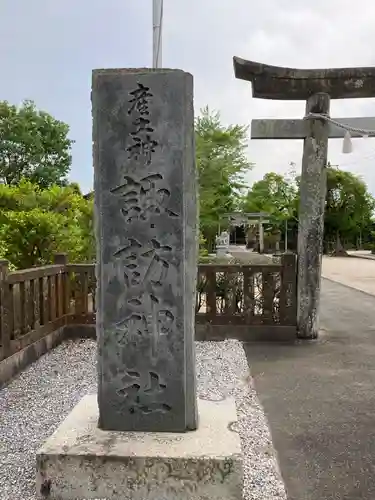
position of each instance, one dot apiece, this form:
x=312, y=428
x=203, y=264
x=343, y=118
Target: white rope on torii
x=347, y=145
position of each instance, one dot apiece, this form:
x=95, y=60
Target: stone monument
x=222, y=244
x=139, y=437
x=147, y=250
x=226, y=238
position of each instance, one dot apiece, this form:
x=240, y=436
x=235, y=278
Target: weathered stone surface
x=277, y=82
x=316, y=133
x=313, y=187
x=146, y=221
x=82, y=461
x=299, y=129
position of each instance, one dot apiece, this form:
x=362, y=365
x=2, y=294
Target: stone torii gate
x=243, y=218
x=317, y=87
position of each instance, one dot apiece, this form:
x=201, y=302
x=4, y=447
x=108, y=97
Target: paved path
x=357, y=273
x=319, y=398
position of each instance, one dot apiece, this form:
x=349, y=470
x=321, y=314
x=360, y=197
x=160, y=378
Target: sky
x=48, y=49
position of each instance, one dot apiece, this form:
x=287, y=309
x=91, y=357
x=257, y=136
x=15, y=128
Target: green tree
x=33, y=146
x=274, y=194
x=349, y=209
x=222, y=163
x=277, y=195
x=35, y=223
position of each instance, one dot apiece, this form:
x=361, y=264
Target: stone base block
x=221, y=251
x=80, y=461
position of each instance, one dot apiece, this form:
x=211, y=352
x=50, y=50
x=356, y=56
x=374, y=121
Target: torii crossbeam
x=291, y=84
x=317, y=87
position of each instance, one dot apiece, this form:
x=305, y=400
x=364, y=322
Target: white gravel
x=34, y=404
x=223, y=371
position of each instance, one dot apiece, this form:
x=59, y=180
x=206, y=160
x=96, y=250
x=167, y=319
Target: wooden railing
x=254, y=299
x=38, y=301
x=250, y=295
x=35, y=302
x=82, y=292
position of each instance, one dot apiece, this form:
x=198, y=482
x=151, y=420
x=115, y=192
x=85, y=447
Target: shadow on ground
x=319, y=398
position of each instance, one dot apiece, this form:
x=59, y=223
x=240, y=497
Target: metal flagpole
x=157, y=22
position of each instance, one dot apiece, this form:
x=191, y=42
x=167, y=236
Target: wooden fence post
x=5, y=314
x=63, y=290
x=288, y=290
x=60, y=259
x=211, y=293
x=81, y=292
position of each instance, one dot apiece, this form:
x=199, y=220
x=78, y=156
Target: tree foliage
x=33, y=146
x=348, y=209
x=35, y=223
x=222, y=163
x=41, y=214
x=273, y=194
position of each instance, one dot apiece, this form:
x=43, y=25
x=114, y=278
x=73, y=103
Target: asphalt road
x=319, y=398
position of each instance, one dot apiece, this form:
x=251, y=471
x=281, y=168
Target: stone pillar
x=261, y=237
x=146, y=226
x=311, y=217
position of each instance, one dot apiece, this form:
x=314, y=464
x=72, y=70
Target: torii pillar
x=317, y=87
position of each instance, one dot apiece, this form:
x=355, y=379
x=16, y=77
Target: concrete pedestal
x=221, y=250
x=80, y=461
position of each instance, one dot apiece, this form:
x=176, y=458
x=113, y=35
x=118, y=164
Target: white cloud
x=49, y=47
x=203, y=36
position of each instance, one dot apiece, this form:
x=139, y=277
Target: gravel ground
x=34, y=404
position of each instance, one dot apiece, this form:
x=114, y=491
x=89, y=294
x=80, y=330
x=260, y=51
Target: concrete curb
x=367, y=257
x=348, y=286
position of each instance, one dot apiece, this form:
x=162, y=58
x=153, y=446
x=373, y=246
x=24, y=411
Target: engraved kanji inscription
x=141, y=393
x=142, y=125
x=158, y=267
x=149, y=318
x=145, y=272
x=142, y=146
x=130, y=254
x=132, y=328
x=143, y=142
x=144, y=197
x=146, y=219
x=155, y=259
x=139, y=100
